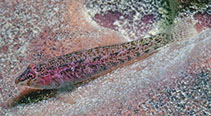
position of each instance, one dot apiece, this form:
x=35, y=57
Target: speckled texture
x=133, y=19
x=83, y=65
x=21, y=21
x=174, y=81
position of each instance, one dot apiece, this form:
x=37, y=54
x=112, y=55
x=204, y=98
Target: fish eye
x=30, y=75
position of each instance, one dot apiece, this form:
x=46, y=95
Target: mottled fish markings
x=82, y=65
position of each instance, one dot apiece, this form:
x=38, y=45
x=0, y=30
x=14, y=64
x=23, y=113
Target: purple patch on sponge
x=143, y=24
x=107, y=20
x=204, y=19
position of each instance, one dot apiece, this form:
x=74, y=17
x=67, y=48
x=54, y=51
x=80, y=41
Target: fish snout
x=20, y=79
x=17, y=80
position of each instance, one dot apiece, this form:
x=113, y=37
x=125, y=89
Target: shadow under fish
x=30, y=95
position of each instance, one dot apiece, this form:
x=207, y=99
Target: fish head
x=27, y=77
x=38, y=77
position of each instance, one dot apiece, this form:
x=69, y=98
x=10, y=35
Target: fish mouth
x=21, y=78
x=17, y=81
